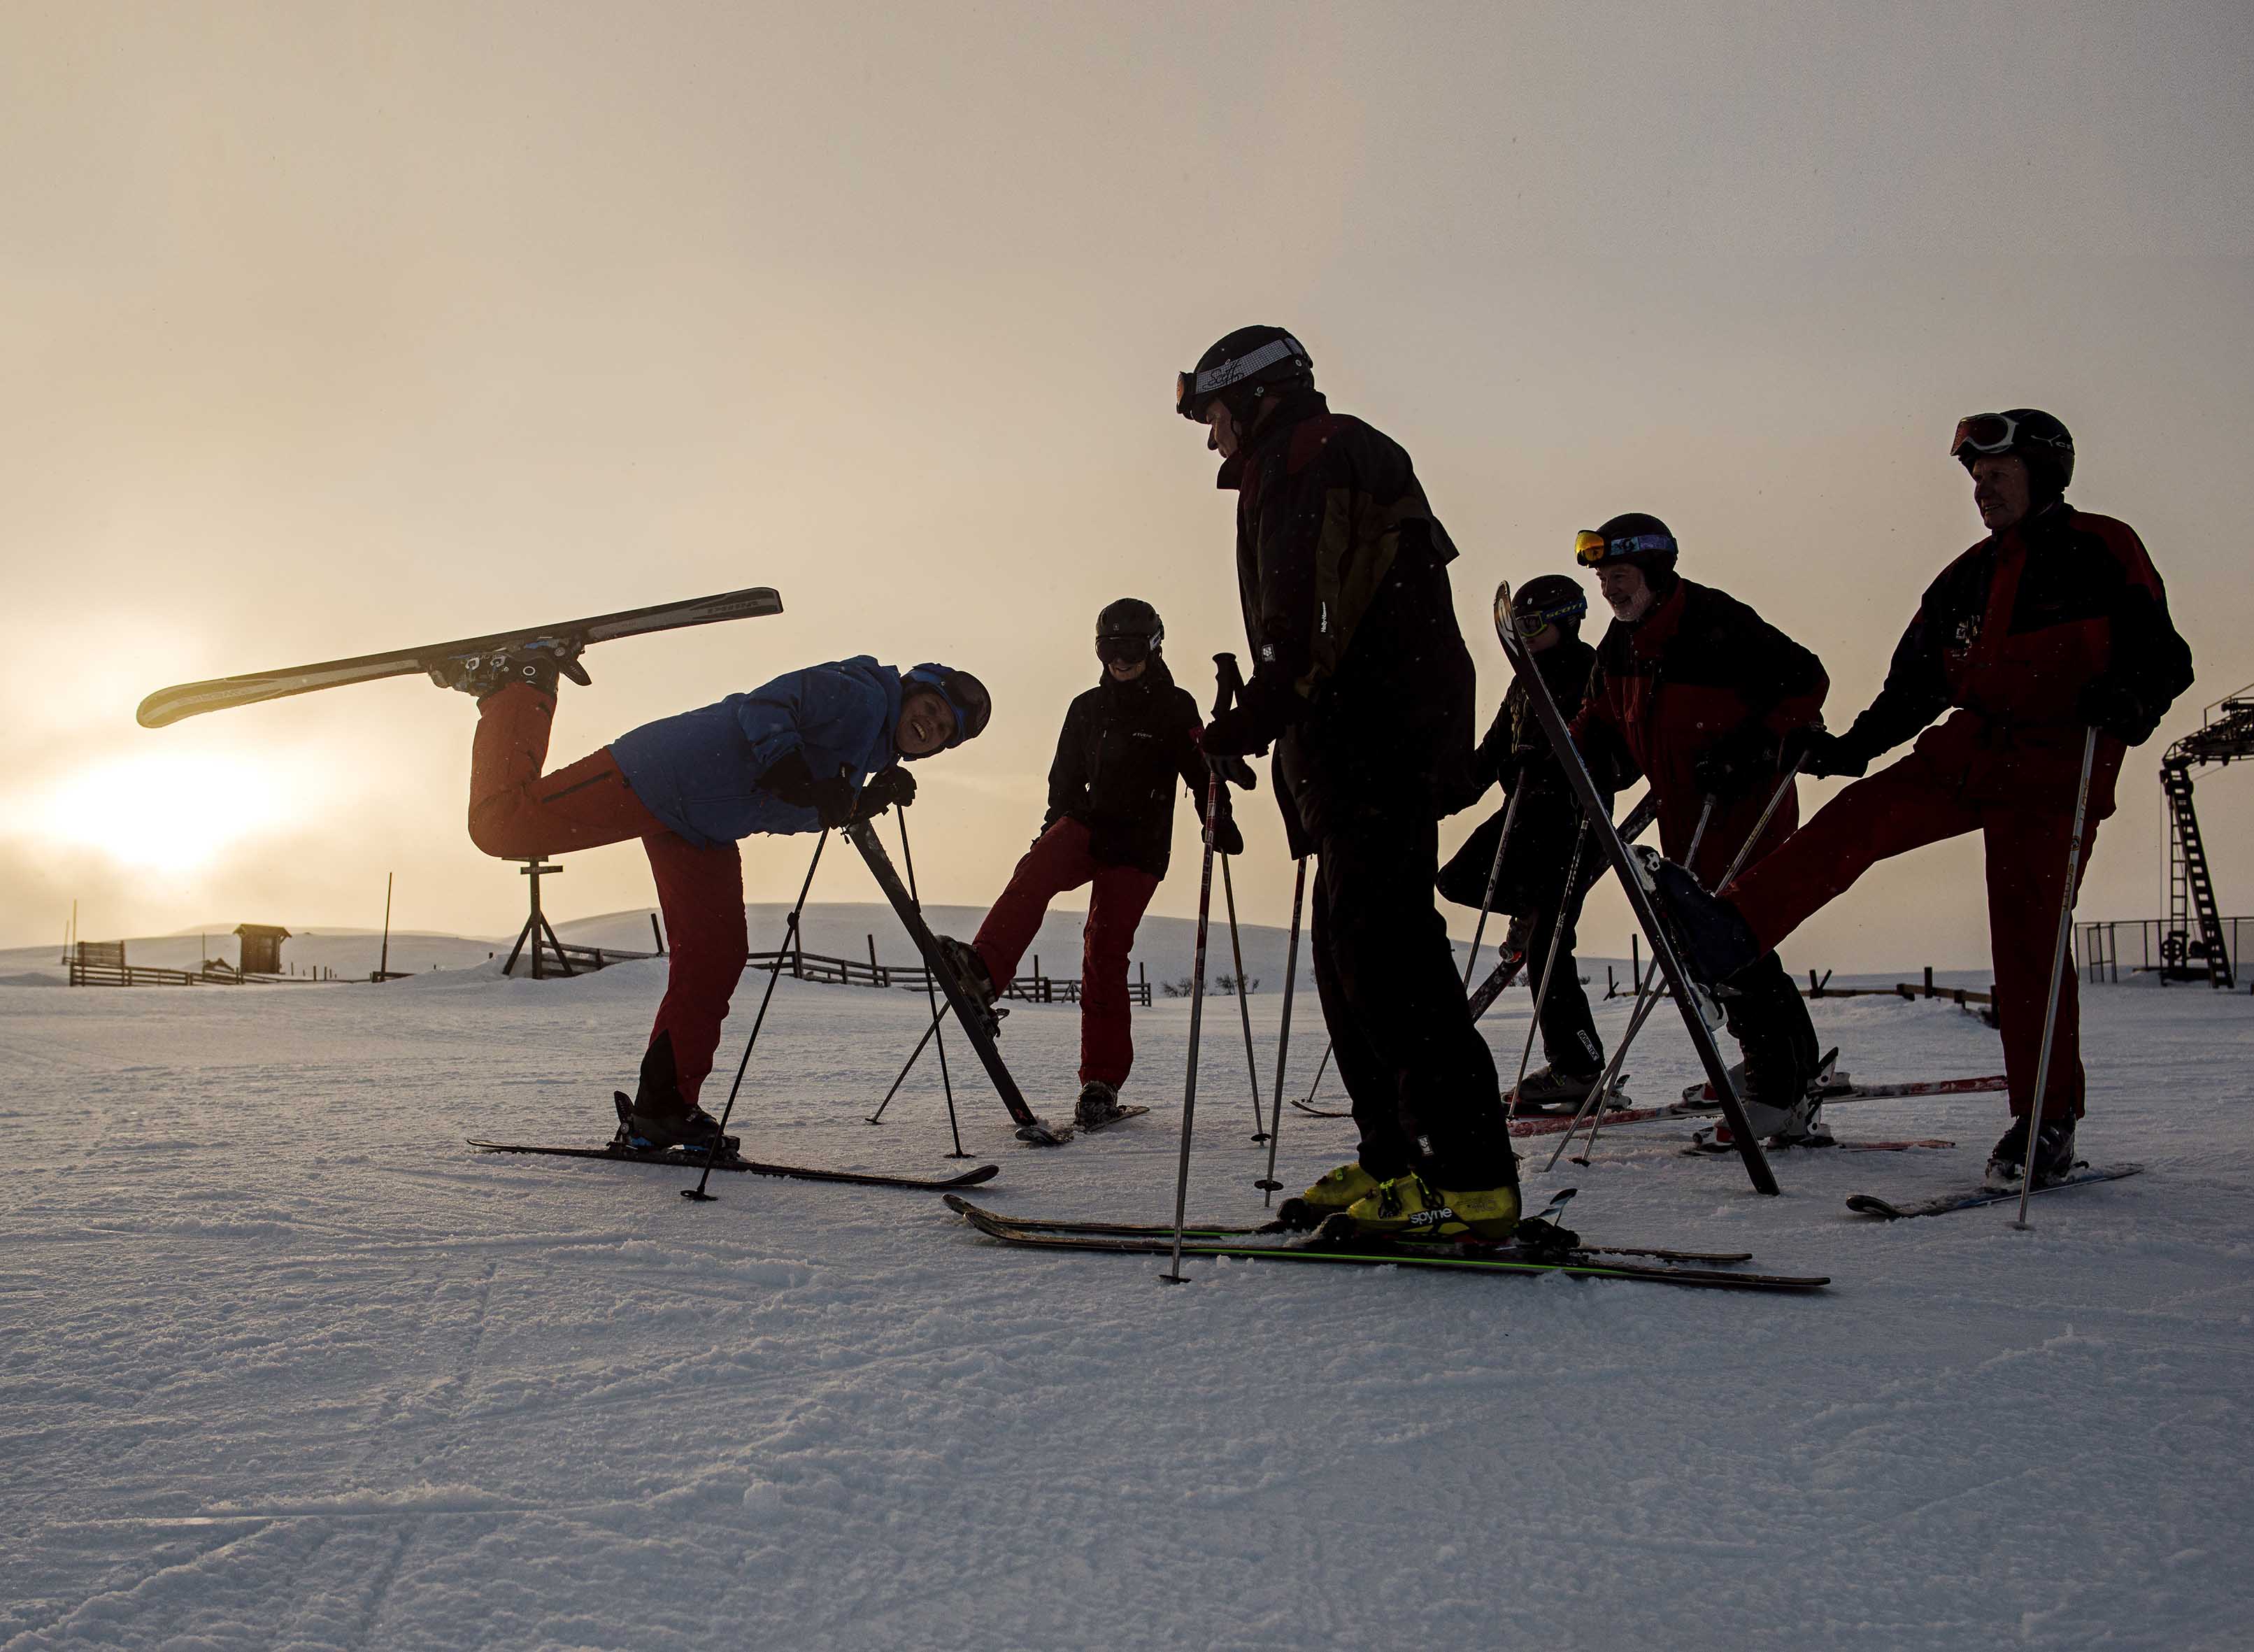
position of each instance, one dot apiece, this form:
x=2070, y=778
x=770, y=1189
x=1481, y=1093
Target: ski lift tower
x=2194, y=932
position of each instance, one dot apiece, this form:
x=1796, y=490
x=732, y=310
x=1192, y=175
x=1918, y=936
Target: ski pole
x=774, y=974
x=1549, y=963
x=1243, y=1007
x=1493, y=876
x=1268, y=1184
x=1321, y=1068
x=878, y=1118
x=2057, y=974
x=931, y=994
x=1645, y=1000
x=1226, y=671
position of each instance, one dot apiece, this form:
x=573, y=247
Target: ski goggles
x=1129, y=649
x=1193, y=390
x=1592, y=549
x=1984, y=433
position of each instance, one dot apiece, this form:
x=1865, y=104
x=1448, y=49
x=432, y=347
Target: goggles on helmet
x=1194, y=390
x=1592, y=549
x=1130, y=648
x=1984, y=433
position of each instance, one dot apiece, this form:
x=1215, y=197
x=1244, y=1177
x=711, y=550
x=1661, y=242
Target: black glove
x=832, y=800
x=1737, y=763
x=888, y=788
x=1820, y=752
x=1250, y=726
x=2110, y=709
x=1234, y=770
x=1227, y=839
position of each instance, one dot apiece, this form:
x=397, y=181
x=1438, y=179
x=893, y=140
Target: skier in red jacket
x=2054, y=624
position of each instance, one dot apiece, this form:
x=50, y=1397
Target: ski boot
x=687, y=1126
x=2054, y=1155
x=961, y=960
x=1547, y=1090
x=537, y=660
x=1410, y=1208
x=1098, y=1106
x=1336, y=1191
x=1711, y=937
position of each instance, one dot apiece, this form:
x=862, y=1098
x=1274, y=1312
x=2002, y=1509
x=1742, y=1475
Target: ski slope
x=284, y=1364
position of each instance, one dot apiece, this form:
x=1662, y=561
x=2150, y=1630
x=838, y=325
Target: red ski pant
x=1060, y=860
x=1918, y=801
x=517, y=813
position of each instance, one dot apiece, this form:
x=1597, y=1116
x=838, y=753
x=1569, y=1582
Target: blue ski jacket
x=699, y=771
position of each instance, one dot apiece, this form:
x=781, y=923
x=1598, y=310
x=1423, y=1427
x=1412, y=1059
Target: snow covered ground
x=284, y=1364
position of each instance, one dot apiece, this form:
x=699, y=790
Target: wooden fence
x=102, y=963
x=854, y=972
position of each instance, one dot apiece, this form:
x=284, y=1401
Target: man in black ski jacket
x=1362, y=684
x=1531, y=882
x=1127, y=743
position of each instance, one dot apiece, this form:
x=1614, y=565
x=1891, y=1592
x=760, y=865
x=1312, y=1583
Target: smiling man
x=2055, y=623
x=812, y=750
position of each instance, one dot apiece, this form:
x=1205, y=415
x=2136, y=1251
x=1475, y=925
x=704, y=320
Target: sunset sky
x=324, y=329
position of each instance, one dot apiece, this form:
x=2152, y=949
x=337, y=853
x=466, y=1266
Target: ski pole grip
x=1229, y=683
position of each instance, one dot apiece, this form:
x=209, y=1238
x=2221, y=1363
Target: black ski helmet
x=2043, y=444
x=1639, y=540
x=1550, y=600
x=1130, y=617
x=1241, y=368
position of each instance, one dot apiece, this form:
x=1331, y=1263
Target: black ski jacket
x=1123, y=748
x=1516, y=741
x=1360, y=672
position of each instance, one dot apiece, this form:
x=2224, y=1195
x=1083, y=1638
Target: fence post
x=876, y=974
x=1928, y=980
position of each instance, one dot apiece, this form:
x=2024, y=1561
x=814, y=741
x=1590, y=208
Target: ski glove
x=891, y=788
x=1250, y=726
x=1820, y=752
x=1234, y=770
x=832, y=799
x=1737, y=762
x=2111, y=709
x=1227, y=836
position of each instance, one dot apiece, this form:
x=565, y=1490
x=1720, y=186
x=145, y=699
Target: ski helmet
x=974, y=707
x=1550, y=600
x=1241, y=368
x=1636, y=539
x=1127, y=631
x=2044, y=446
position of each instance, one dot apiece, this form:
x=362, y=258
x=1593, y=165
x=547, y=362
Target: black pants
x=1569, y=1031
x=1421, y=1078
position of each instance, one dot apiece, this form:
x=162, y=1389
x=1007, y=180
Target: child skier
x=813, y=749
x=1125, y=744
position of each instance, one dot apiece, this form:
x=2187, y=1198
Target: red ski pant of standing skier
x=517, y=813
x=1060, y=860
x=1920, y=800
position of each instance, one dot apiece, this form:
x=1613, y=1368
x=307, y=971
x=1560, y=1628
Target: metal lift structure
x=2193, y=943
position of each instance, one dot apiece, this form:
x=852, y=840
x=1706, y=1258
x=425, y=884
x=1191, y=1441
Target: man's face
x=926, y=723
x=2000, y=490
x=1223, y=436
x=1625, y=592
x=1126, y=670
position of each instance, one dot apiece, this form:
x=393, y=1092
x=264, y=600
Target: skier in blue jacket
x=813, y=749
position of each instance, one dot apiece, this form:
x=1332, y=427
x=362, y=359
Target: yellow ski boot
x=1410, y=1208
x=1337, y=1191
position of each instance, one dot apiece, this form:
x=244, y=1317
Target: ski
x=1456, y=1258
x=219, y=694
x=1871, y=1204
x=1708, y=1148
x=979, y=1022
x=1139, y=1230
x=1512, y=959
x=680, y=1159
x=1687, y=998
x=1841, y=1088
